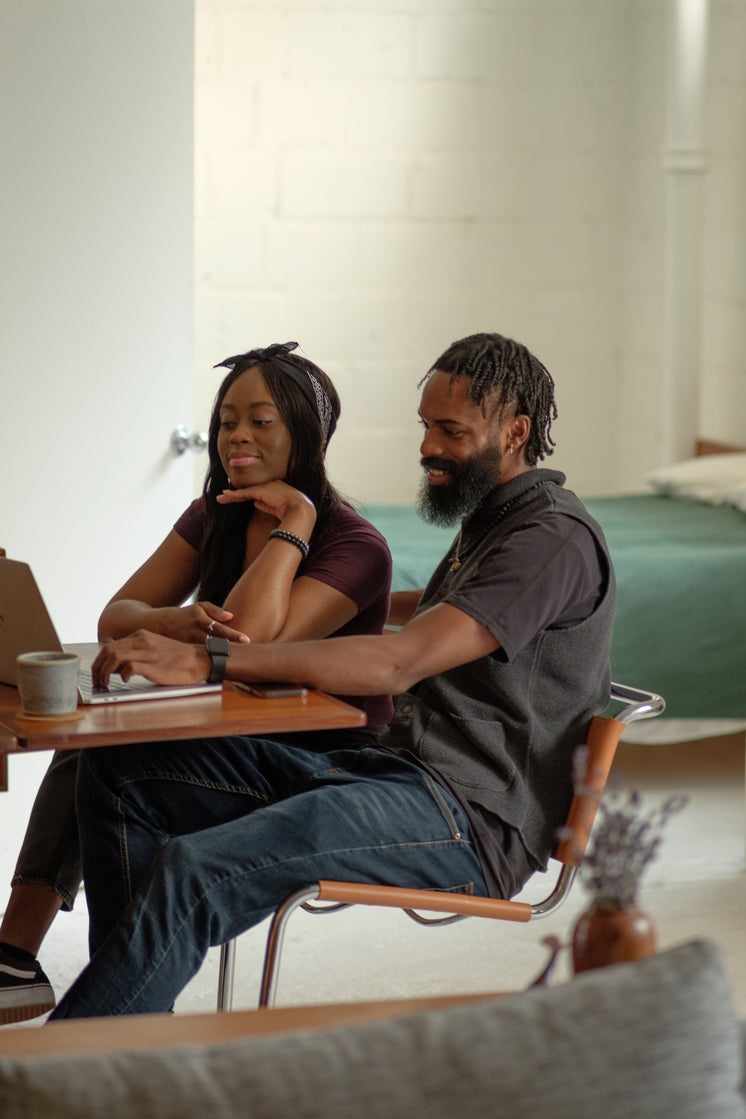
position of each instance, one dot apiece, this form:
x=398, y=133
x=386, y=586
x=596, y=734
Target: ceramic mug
x=48, y=683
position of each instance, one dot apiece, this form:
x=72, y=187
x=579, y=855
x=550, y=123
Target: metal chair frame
x=604, y=734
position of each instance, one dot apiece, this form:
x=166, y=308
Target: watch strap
x=218, y=649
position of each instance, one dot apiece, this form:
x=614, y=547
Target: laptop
x=25, y=626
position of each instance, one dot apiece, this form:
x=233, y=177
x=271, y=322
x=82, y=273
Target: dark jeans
x=187, y=844
x=50, y=854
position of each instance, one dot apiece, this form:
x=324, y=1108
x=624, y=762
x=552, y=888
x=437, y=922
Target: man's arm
x=436, y=640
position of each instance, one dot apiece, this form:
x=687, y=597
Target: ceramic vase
x=611, y=936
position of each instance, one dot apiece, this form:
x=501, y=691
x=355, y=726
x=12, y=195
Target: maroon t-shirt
x=351, y=556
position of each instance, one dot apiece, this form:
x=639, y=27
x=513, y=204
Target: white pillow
x=716, y=479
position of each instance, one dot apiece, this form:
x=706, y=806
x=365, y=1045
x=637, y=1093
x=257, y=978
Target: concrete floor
x=695, y=888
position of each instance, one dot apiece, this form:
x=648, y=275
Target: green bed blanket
x=680, y=626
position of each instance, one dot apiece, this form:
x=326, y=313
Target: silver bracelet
x=283, y=534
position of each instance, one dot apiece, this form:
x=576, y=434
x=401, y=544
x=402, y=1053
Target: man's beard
x=470, y=483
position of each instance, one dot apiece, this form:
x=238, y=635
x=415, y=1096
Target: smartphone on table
x=271, y=690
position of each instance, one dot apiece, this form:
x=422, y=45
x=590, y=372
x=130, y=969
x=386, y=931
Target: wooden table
x=209, y=716
x=156, y=1031
x=8, y=741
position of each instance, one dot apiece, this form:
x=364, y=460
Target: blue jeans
x=187, y=844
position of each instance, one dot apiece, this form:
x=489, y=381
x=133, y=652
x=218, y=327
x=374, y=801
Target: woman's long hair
x=223, y=549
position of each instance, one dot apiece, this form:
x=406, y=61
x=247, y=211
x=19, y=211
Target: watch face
x=218, y=649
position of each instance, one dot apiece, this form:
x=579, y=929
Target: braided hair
x=498, y=366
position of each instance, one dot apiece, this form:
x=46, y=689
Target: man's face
x=462, y=451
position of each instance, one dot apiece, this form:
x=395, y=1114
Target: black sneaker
x=25, y=991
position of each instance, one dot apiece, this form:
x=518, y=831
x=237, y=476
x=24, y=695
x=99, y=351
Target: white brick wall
x=378, y=177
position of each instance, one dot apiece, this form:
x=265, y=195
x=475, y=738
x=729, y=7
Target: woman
x=271, y=552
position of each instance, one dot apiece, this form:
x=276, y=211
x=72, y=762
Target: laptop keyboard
x=87, y=688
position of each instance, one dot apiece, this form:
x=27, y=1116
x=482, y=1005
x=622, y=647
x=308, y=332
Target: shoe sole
x=11, y=1014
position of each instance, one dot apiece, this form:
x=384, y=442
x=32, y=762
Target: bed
x=680, y=558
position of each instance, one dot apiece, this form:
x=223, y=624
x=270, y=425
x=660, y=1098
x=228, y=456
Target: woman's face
x=253, y=442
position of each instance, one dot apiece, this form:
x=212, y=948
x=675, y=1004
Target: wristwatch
x=219, y=649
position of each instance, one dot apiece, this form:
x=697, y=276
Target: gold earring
x=510, y=448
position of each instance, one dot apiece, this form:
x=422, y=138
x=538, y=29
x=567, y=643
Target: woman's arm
x=268, y=602
x=403, y=606
x=151, y=599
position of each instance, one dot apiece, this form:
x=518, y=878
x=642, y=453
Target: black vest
x=502, y=733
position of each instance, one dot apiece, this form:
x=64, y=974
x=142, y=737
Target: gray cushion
x=652, y=1039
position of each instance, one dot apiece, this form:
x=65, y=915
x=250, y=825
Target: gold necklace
x=457, y=559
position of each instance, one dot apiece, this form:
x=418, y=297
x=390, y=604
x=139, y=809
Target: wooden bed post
x=684, y=161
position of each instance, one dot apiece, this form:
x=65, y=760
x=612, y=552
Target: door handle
x=183, y=440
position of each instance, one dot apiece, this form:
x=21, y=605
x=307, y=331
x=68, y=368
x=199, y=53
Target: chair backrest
x=599, y=751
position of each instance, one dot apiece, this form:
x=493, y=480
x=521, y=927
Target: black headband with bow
x=310, y=386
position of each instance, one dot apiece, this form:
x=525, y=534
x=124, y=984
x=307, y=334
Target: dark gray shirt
x=499, y=732
x=548, y=574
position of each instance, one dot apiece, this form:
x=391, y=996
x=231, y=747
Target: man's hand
x=160, y=659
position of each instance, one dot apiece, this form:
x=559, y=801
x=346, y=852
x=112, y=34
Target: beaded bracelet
x=283, y=534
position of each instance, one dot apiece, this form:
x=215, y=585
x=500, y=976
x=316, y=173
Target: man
x=497, y=671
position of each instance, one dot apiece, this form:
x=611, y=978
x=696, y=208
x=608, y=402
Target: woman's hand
x=148, y=654
x=291, y=508
x=194, y=622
